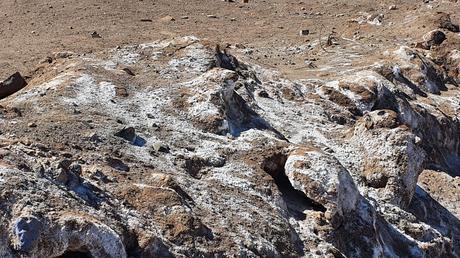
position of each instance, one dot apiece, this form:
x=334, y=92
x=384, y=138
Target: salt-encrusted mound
x=155, y=151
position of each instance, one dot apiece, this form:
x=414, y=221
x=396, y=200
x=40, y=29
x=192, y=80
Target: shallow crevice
x=225, y=60
x=133, y=250
x=296, y=201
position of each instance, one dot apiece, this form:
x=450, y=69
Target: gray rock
x=127, y=133
x=26, y=231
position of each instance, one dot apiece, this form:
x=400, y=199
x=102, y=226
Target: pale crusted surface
x=231, y=162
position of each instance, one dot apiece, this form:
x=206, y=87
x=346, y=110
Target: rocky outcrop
x=204, y=153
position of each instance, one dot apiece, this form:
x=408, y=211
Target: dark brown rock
x=11, y=85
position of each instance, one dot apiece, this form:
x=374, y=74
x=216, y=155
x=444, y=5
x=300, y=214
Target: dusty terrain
x=136, y=137
x=31, y=31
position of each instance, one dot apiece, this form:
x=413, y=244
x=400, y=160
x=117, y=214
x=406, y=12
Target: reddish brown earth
x=31, y=30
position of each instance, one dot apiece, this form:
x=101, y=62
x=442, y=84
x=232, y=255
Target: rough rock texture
x=195, y=153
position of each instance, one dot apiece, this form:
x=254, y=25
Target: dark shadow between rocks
x=354, y=230
x=296, y=201
x=452, y=165
x=431, y=212
x=402, y=79
x=434, y=80
x=75, y=254
x=225, y=60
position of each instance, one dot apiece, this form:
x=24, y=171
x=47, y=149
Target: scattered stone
x=263, y=94
x=376, y=19
x=146, y=20
x=433, y=38
x=392, y=7
x=160, y=147
x=95, y=35
x=63, y=54
x=100, y=176
x=32, y=125
x=4, y=153
x=38, y=169
x=212, y=16
x=194, y=165
x=46, y=60
x=304, y=32
x=127, y=133
x=121, y=91
x=310, y=64
x=240, y=46
x=167, y=18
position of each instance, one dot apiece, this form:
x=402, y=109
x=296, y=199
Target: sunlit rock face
x=176, y=149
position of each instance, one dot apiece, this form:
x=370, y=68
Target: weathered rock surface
x=205, y=154
x=11, y=85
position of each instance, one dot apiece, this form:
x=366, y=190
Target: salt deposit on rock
x=193, y=156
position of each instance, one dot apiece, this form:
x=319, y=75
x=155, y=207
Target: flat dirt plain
x=32, y=30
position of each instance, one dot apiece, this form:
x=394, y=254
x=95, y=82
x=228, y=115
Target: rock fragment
x=167, y=18
x=304, y=32
x=433, y=38
x=127, y=133
x=160, y=147
x=95, y=35
x=11, y=85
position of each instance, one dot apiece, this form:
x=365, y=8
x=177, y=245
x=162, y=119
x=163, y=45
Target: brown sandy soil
x=31, y=30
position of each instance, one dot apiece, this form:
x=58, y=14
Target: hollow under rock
x=297, y=201
x=75, y=254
